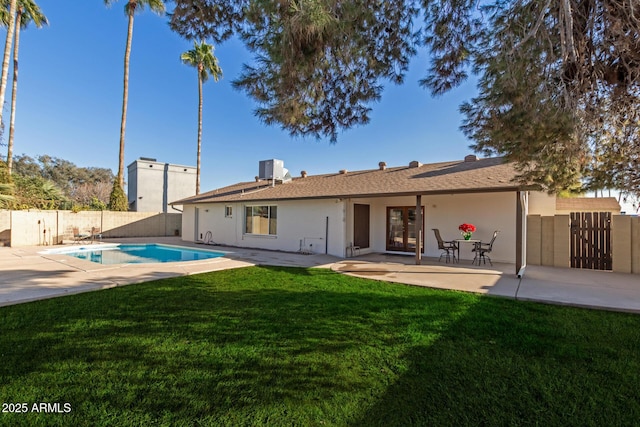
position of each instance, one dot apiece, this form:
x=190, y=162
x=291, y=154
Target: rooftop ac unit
x=272, y=169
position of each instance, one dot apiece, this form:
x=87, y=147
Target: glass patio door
x=401, y=223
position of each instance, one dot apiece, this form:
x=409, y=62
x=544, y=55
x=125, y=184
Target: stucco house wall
x=300, y=225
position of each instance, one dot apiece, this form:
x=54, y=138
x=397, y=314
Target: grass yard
x=309, y=347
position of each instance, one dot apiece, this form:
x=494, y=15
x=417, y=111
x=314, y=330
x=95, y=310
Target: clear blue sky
x=70, y=96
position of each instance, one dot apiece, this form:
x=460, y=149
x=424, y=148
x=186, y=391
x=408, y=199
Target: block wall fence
x=549, y=242
x=32, y=228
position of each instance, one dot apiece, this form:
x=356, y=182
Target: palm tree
x=28, y=11
x=202, y=58
x=11, y=25
x=130, y=9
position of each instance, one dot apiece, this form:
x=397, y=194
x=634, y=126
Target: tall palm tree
x=202, y=58
x=28, y=11
x=130, y=9
x=11, y=25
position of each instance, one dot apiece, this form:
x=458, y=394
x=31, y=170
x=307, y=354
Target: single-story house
x=386, y=209
x=565, y=206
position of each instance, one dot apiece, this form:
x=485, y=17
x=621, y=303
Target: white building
x=376, y=210
x=153, y=185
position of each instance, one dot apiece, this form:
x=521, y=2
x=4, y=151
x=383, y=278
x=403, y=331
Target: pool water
x=140, y=254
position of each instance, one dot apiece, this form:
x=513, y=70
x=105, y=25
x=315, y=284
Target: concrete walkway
x=28, y=275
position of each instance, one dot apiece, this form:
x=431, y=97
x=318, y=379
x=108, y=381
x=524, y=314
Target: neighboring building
x=587, y=204
x=373, y=209
x=154, y=185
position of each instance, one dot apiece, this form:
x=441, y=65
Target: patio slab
x=581, y=288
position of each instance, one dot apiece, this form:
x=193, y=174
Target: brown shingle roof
x=491, y=174
x=592, y=204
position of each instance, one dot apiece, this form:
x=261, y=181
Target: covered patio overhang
x=516, y=211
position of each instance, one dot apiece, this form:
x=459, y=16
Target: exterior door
x=361, y=226
x=401, y=228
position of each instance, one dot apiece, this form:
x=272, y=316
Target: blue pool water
x=140, y=254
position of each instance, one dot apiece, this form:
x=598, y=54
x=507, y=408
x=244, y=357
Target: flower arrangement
x=467, y=230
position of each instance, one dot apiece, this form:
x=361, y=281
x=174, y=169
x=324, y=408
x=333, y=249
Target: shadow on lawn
x=519, y=363
x=291, y=346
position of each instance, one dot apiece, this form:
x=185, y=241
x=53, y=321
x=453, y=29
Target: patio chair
x=96, y=234
x=447, y=248
x=482, y=249
x=78, y=237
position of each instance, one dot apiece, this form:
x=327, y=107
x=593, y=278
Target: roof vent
x=382, y=166
x=415, y=164
x=343, y=171
x=257, y=178
x=470, y=158
x=303, y=174
x=148, y=159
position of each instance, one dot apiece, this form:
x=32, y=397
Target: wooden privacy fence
x=591, y=240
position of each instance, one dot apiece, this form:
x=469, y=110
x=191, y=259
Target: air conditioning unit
x=272, y=169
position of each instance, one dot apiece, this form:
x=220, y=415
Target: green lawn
x=284, y=347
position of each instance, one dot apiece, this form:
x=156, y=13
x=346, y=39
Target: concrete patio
x=27, y=275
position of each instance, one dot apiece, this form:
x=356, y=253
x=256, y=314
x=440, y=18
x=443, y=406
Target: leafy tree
x=130, y=9
x=6, y=195
x=320, y=62
x=97, y=204
x=559, y=81
x=202, y=58
x=38, y=192
x=27, y=12
x=78, y=184
x=6, y=187
x=118, y=200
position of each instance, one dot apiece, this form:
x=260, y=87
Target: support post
x=418, y=229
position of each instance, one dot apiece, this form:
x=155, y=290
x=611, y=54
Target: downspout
x=522, y=209
x=326, y=237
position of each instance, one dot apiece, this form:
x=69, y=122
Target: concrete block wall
x=31, y=228
x=548, y=242
x=5, y=227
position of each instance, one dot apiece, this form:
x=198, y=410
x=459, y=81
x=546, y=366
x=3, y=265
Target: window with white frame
x=261, y=220
x=228, y=211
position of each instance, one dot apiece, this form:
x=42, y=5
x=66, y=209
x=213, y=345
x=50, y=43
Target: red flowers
x=467, y=228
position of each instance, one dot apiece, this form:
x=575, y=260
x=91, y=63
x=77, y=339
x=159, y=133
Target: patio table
x=475, y=242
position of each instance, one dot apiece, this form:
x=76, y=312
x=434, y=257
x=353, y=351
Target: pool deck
x=27, y=274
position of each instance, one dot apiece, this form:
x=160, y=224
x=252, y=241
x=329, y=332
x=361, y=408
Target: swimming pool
x=137, y=253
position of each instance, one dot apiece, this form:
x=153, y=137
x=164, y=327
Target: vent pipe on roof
x=470, y=158
x=257, y=178
x=303, y=174
x=343, y=171
x=415, y=164
x=382, y=166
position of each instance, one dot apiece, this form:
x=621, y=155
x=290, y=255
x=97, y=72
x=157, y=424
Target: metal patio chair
x=482, y=249
x=447, y=248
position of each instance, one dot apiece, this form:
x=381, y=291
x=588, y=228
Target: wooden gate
x=591, y=240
